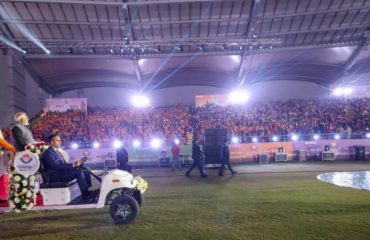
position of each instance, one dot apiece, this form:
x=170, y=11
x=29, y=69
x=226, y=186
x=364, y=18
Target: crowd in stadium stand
x=184, y=121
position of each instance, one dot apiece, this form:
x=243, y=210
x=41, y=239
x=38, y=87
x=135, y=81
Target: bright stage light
x=136, y=143
x=235, y=140
x=117, y=144
x=31, y=36
x=254, y=139
x=156, y=143
x=74, y=145
x=140, y=101
x=238, y=96
x=177, y=141
x=336, y=136
x=295, y=137
x=275, y=138
x=342, y=91
x=10, y=44
x=96, y=145
x=367, y=135
x=316, y=137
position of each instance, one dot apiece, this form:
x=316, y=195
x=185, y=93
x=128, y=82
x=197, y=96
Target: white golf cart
x=118, y=188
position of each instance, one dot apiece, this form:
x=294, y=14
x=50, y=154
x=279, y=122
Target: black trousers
x=83, y=178
x=221, y=172
x=196, y=163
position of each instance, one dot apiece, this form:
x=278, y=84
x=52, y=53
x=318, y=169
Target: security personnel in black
x=225, y=159
x=122, y=160
x=197, y=157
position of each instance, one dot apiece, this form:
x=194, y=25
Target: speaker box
x=213, y=141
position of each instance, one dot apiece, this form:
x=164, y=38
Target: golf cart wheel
x=124, y=209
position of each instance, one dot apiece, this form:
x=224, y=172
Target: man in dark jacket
x=197, y=156
x=122, y=159
x=21, y=132
x=225, y=159
x=62, y=171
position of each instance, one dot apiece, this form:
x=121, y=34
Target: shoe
x=233, y=173
x=204, y=176
x=187, y=175
x=221, y=175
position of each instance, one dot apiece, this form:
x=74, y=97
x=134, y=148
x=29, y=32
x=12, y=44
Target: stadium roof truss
x=164, y=43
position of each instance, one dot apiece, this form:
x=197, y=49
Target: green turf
x=247, y=206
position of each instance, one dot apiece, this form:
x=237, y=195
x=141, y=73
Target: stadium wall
x=264, y=91
x=18, y=90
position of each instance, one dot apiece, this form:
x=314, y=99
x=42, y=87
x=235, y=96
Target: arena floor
x=275, y=201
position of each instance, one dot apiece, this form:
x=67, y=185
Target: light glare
x=136, y=143
x=238, y=97
x=140, y=101
x=342, y=91
x=96, y=145
x=235, y=140
x=117, y=144
x=156, y=143
x=295, y=137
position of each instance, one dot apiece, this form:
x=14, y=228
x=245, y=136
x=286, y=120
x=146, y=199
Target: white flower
x=38, y=152
x=11, y=204
x=32, y=178
x=32, y=183
x=24, y=206
x=17, y=185
x=16, y=194
x=24, y=190
x=27, y=200
x=17, y=200
x=24, y=183
x=10, y=175
x=17, y=178
x=17, y=210
x=29, y=194
x=30, y=206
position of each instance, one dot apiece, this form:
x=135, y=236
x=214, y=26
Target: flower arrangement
x=37, y=148
x=142, y=184
x=22, y=192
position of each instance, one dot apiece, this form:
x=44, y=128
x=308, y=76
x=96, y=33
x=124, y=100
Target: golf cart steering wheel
x=84, y=167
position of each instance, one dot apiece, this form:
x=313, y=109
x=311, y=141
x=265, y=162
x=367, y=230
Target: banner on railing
x=65, y=104
x=220, y=99
x=247, y=152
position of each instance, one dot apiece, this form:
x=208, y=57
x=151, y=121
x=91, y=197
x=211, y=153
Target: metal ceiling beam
x=128, y=20
x=185, y=54
x=296, y=14
x=314, y=30
x=15, y=21
x=66, y=2
x=112, y=3
x=193, y=40
x=6, y=31
x=249, y=32
x=137, y=69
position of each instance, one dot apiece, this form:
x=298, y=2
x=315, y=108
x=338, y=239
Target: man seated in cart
x=59, y=170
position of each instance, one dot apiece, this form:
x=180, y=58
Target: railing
x=246, y=139
x=301, y=137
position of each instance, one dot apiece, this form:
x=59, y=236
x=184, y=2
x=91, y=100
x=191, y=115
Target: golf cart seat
x=46, y=184
x=57, y=193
